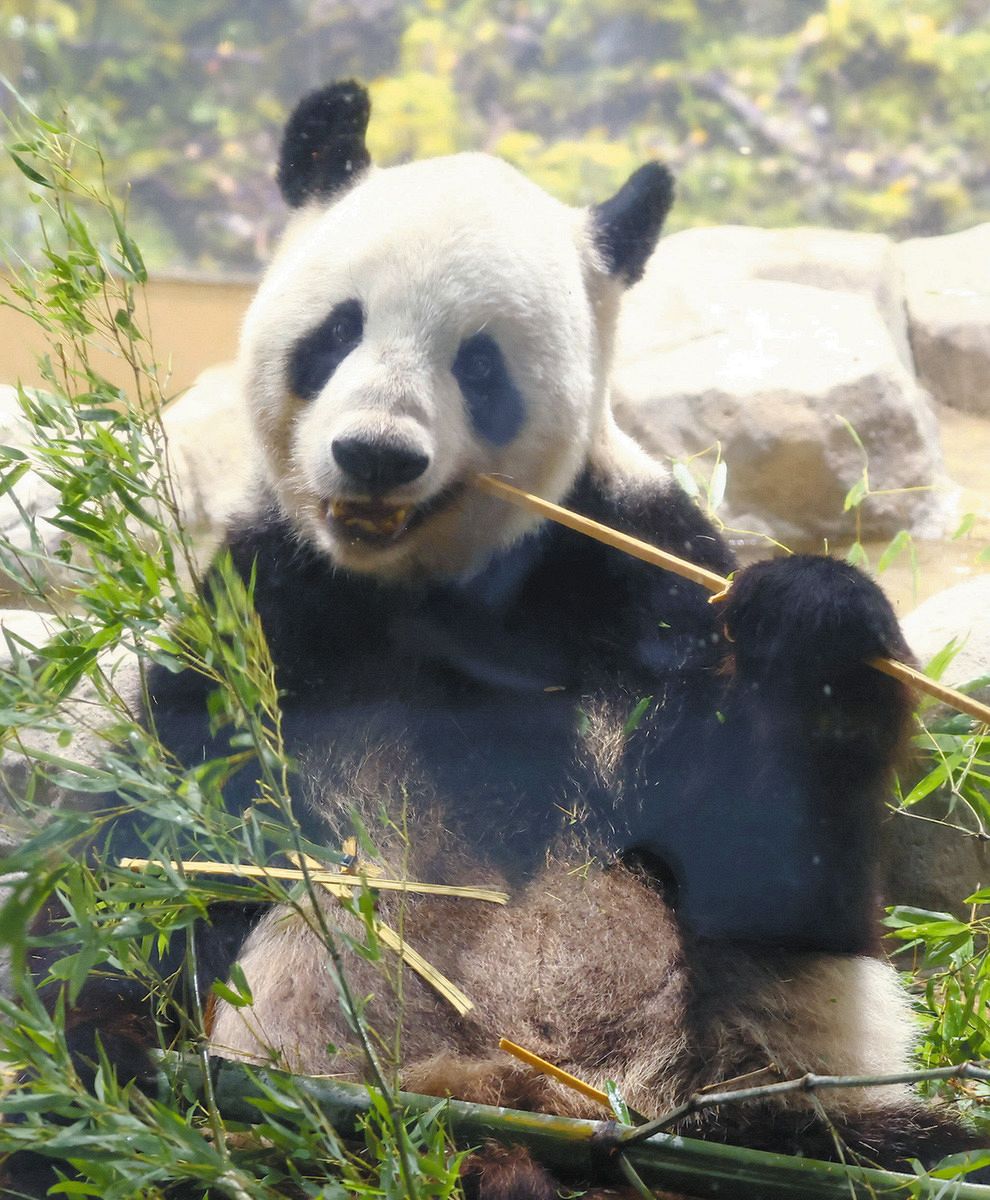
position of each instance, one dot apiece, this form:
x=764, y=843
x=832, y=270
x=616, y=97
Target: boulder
x=947, y=288
x=210, y=458
x=771, y=371
x=960, y=613
x=704, y=261
x=210, y=451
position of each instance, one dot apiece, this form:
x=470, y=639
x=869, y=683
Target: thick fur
x=693, y=891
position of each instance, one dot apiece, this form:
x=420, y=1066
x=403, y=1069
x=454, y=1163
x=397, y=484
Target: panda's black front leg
x=804, y=745
x=824, y=725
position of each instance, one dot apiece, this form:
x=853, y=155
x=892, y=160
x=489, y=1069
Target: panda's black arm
x=122, y=1014
x=808, y=741
x=770, y=791
x=116, y=1017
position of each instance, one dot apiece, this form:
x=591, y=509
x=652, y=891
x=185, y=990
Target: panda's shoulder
x=624, y=488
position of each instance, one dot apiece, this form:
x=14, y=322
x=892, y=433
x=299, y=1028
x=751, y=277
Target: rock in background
x=947, y=289
x=765, y=342
x=30, y=497
x=210, y=454
x=82, y=715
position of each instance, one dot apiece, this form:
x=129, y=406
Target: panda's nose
x=376, y=465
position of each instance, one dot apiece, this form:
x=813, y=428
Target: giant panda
x=693, y=892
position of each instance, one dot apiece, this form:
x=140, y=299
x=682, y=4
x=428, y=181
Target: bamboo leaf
x=30, y=172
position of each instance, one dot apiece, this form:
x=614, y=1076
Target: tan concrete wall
x=193, y=325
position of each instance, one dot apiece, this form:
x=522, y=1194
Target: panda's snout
x=377, y=465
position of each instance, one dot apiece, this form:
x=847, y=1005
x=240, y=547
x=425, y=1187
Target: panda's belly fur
x=506, y=776
x=587, y=967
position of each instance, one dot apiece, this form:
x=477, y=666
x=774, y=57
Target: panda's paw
x=808, y=617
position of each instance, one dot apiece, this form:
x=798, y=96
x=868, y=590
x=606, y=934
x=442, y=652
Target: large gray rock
x=705, y=261
x=211, y=451
x=959, y=614
x=947, y=287
x=768, y=370
x=210, y=455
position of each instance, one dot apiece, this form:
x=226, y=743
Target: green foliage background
x=868, y=114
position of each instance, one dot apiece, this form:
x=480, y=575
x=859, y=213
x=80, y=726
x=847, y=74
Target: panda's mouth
x=378, y=523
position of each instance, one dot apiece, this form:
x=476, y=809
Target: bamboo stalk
x=718, y=584
x=950, y=696
x=247, y=871
x=580, y=1148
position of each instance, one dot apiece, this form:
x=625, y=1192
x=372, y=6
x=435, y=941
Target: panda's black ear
x=626, y=228
x=323, y=148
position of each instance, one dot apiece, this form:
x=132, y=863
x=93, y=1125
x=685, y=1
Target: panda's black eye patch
x=320, y=352
x=495, y=406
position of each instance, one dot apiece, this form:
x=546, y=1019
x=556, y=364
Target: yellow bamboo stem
x=558, y=1073
x=603, y=533
x=708, y=579
x=241, y=870
x=950, y=696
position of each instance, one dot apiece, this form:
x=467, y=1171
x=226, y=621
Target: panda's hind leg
x=498, y=1172
x=497, y=1081
x=506, y=1173
x=792, y=1015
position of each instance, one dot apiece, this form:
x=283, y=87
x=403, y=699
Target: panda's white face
x=432, y=323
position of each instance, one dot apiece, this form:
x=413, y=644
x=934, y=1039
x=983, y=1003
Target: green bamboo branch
x=582, y=1148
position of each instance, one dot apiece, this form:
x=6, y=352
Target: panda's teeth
x=375, y=519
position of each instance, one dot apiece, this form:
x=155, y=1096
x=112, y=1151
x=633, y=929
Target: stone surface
x=768, y=370
x=947, y=288
x=705, y=261
x=930, y=864
x=210, y=449
x=961, y=612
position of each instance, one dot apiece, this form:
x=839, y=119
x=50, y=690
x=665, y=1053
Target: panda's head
x=425, y=323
